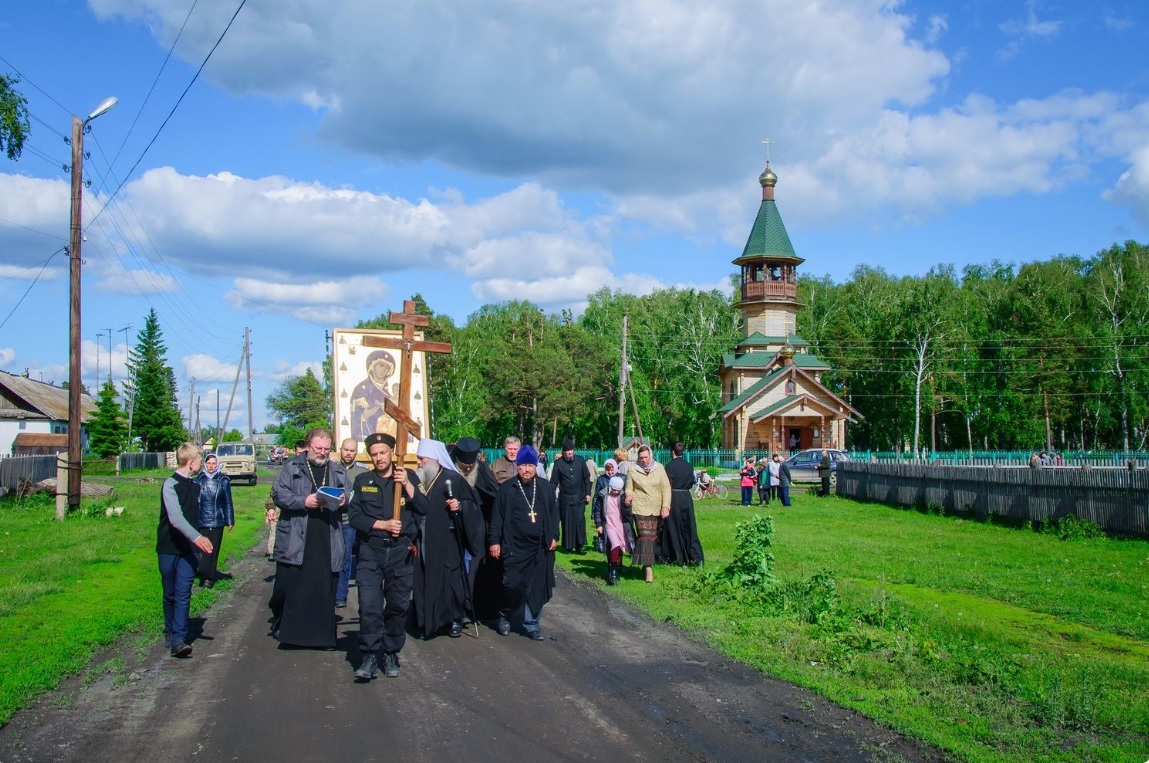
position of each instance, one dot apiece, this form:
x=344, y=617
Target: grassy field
x=992, y=643
x=68, y=589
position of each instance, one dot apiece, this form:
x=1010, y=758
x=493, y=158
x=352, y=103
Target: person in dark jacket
x=825, y=469
x=571, y=479
x=679, y=542
x=216, y=513
x=178, y=546
x=785, y=480
x=308, y=545
x=386, y=555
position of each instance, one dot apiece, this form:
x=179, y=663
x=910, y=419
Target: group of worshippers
x=646, y=510
x=445, y=539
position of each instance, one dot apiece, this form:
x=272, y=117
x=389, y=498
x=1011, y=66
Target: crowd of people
x=453, y=542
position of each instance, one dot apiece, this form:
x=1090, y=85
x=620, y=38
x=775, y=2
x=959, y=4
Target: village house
x=29, y=407
x=772, y=391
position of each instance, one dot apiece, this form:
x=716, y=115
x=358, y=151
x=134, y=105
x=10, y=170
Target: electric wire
x=171, y=113
x=29, y=289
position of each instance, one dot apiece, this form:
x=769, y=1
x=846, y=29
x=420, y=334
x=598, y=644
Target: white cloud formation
x=7, y=355
x=283, y=370
x=331, y=303
x=1031, y=26
x=206, y=370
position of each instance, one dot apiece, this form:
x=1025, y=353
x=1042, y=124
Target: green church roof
x=768, y=237
x=752, y=390
x=758, y=339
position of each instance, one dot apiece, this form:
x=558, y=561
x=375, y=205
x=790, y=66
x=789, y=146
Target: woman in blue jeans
x=749, y=475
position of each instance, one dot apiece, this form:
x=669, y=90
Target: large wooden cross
x=401, y=411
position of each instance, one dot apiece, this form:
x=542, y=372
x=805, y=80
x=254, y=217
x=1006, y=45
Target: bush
x=1070, y=527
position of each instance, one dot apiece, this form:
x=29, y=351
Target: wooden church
x=772, y=391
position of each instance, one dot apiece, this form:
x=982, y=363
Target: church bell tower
x=768, y=296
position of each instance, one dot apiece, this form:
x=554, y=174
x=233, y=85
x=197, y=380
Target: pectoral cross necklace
x=531, y=502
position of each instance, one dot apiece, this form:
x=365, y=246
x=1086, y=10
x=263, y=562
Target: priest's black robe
x=441, y=584
x=572, y=480
x=679, y=543
x=487, y=571
x=528, y=567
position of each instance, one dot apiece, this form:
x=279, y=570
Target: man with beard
x=572, y=480
x=348, y=450
x=504, y=466
x=486, y=573
x=386, y=555
x=679, y=542
x=308, y=546
x=453, y=530
x=524, y=533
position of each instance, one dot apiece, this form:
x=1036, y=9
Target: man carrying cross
x=523, y=534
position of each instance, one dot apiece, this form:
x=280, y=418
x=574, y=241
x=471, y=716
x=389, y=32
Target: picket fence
x=1115, y=499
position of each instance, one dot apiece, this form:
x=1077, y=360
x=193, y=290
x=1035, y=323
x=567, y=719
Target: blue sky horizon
x=331, y=161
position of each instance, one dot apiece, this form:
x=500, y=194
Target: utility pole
x=98, y=335
x=110, y=378
x=191, y=404
x=247, y=358
x=218, y=435
x=196, y=437
x=75, y=239
x=622, y=375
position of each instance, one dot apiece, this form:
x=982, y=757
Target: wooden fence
x=1116, y=500
x=35, y=468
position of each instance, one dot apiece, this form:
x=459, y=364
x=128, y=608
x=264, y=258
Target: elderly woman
x=612, y=522
x=648, y=496
x=216, y=513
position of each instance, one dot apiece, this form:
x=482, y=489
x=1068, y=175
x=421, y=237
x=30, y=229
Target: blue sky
x=334, y=158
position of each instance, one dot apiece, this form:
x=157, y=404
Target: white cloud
x=206, y=369
x=1132, y=188
x=562, y=291
x=326, y=302
x=936, y=26
x=1031, y=26
x=7, y=355
x=283, y=370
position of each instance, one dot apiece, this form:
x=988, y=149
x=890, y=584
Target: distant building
x=32, y=407
x=772, y=391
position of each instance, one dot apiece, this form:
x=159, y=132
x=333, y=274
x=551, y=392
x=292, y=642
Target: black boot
x=612, y=573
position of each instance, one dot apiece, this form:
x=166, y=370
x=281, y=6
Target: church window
x=790, y=387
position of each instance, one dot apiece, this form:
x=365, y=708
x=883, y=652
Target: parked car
x=277, y=456
x=237, y=460
x=804, y=464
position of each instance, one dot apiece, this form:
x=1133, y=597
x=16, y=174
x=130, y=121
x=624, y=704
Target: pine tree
x=156, y=419
x=109, y=430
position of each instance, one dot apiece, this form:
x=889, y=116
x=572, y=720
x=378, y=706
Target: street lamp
x=79, y=127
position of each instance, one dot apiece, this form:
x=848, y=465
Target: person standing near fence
x=216, y=513
x=747, y=474
x=785, y=480
x=825, y=470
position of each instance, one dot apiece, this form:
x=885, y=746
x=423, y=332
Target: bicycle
x=713, y=489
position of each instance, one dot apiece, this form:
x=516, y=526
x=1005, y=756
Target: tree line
x=1045, y=354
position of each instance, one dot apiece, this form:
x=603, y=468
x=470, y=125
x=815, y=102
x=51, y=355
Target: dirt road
x=607, y=684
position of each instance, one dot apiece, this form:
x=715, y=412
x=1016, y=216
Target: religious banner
x=368, y=378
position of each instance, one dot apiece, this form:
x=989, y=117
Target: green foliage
x=1070, y=527
x=14, y=124
x=299, y=400
x=232, y=435
x=155, y=419
x=108, y=431
x=753, y=564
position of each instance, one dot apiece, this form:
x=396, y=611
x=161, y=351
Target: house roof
x=40, y=440
x=751, y=391
x=768, y=237
x=41, y=400
x=757, y=339
x=791, y=400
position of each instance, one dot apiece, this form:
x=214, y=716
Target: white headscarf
x=436, y=450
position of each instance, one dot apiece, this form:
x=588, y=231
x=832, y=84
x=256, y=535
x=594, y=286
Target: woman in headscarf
x=216, y=513
x=612, y=519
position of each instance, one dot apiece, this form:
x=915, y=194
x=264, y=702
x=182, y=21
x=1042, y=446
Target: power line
x=173, y=111
x=29, y=289
x=43, y=92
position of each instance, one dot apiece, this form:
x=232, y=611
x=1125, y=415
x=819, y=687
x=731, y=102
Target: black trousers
x=384, y=577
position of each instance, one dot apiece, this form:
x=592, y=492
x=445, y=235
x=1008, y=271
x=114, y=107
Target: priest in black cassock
x=572, y=480
x=679, y=543
x=524, y=533
x=486, y=572
x=453, y=534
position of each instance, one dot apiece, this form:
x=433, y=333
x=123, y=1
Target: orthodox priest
x=524, y=533
x=453, y=533
x=486, y=572
x=571, y=479
x=308, y=546
x=679, y=542
x=386, y=555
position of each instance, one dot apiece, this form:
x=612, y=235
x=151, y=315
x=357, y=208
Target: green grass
x=992, y=643
x=68, y=589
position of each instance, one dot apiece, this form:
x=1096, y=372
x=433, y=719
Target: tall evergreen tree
x=300, y=401
x=156, y=419
x=108, y=431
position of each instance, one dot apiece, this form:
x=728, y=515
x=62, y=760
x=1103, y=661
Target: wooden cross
x=401, y=411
